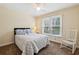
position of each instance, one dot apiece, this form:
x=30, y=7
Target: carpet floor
x=52, y=49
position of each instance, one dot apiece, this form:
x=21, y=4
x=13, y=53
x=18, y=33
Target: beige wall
x=9, y=19
x=70, y=20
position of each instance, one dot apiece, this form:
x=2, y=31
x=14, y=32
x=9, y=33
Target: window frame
x=49, y=18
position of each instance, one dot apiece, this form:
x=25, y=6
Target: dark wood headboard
x=19, y=28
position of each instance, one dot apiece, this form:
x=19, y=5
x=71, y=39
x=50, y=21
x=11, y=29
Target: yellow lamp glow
x=34, y=29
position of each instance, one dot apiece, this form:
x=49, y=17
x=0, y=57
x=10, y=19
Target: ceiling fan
x=38, y=6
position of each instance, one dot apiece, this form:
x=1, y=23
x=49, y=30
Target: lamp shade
x=34, y=29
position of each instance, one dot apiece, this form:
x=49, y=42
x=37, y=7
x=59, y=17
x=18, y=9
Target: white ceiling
x=28, y=8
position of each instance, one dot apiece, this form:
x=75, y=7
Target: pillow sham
x=20, y=32
x=28, y=31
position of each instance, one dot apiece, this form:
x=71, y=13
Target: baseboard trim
x=55, y=41
x=1, y=45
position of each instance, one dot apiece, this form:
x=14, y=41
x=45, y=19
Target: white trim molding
x=5, y=44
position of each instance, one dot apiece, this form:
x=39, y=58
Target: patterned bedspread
x=32, y=43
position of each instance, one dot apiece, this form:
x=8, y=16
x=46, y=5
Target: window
x=52, y=25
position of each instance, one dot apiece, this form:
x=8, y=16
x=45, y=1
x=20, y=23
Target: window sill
x=53, y=35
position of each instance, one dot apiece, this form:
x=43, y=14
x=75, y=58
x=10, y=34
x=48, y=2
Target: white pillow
x=20, y=32
x=29, y=31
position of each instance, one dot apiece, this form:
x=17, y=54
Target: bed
x=29, y=42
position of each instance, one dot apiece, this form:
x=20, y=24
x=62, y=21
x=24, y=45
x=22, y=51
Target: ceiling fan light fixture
x=38, y=8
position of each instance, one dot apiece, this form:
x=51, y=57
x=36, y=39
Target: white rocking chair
x=70, y=40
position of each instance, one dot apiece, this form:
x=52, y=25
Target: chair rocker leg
x=73, y=49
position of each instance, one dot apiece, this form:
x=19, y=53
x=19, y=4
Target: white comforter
x=32, y=43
